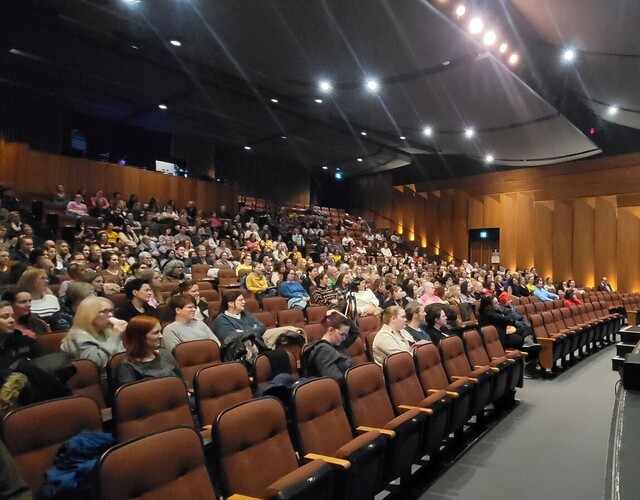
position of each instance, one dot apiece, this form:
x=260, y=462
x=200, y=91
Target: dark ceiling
x=113, y=59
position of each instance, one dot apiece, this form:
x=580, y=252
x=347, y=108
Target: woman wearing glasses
x=92, y=334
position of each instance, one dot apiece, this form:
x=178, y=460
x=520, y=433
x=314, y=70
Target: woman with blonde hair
x=92, y=334
x=154, y=278
x=43, y=302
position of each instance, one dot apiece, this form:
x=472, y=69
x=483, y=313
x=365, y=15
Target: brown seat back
x=476, y=353
x=402, y=382
x=315, y=314
x=314, y=332
x=368, y=324
x=454, y=361
x=149, y=406
x=358, y=352
x=274, y=304
x=367, y=395
x=549, y=323
x=219, y=387
x=428, y=367
x=251, y=306
x=266, y=318
x=492, y=343
x=50, y=342
x=262, y=371
x=193, y=355
x=291, y=317
x=34, y=433
x=178, y=470
x=538, y=326
x=86, y=381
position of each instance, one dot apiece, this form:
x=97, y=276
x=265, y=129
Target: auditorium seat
x=33, y=433
x=405, y=392
x=367, y=324
x=193, y=355
x=213, y=308
x=219, y=387
x=255, y=456
x=274, y=304
x=50, y=342
x=552, y=345
x=209, y=295
x=582, y=332
x=119, y=300
x=314, y=331
x=551, y=328
x=199, y=271
x=263, y=371
x=322, y=429
x=494, y=349
x=86, y=382
x=315, y=314
x=369, y=406
x=173, y=464
x=291, y=317
x=267, y=318
x=358, y=352
x=478, y=357
x=251, y=306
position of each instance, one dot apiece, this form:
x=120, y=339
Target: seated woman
x=366, y=301
x=173, y=271
x=436, y=320
x=293, y=291
x=415, y=320
x=43, y=302
x=145, y=359
x=28, y=323
x=323, y=358
x=491, y=314
x=397, y=297
x=139, y=293
x=392, y=337
x=154, y=278
x=111, y=268
x=13, y=345
x=76, y=293
x=323, y=294
x=95, y=334
x=192, y=288
x=234, y=319
x=570, y=299
x=185, y=327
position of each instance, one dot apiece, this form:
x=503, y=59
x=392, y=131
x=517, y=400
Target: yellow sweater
x=256, y=283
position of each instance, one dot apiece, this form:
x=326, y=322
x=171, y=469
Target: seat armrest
x=237, y=496
x=344, y=464
x=492, y=368
x=386, y=432
x=471, y=379
x=449, y=393
x=428, y=411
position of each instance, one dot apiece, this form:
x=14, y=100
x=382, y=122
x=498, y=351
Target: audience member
x=185, y=327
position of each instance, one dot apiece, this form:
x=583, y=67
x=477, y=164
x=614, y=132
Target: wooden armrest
x=428, y=411
x=251, y=380
x=386, y=432
x=237, y=496
x=206, y=427
x=471, y=379
x=509, y=360
x=543, y=340
x=522, y=353
x=448, y=393
x=345, y=464
x=492, y=368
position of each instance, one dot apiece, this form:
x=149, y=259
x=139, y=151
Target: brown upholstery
x=369, y=405
x=314, y=331
x=119, y=300
x=266, y=318
x=358, y=352
x=209, y=295
x=315, y=314
x=256, y=457
x=219, y=387
x=477, y=356
x=50, y=342
x=368, y=324
x=291, y=317
x=252, y=306
x=165, y=313
x=86, y=381
x=226, y=277
x=168, y=286
x=34, y=433
x=494, y=349
x=112, y=364
x=404, y=388
x=432, y=377
x=199, y=271
x=274, y=304
x=196, y=354
x=150, y=406
x=263, y=373
x=322, y=427
x=213, y=308
x=172, y=461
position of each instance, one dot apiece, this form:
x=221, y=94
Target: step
x=629, y=337
x=616, y=363
x=622, y=348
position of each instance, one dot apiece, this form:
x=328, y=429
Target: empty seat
x=274, y=304
x=369, y=406
x=34, y=433
x=323, y=430
x=406, y=392
x=314, y=332
x=256, y=458
x=264, y=371
x=86, y=382
x=291, y=317
x=315, y=314
x=478, y=357
x=251, y=306
x=50, y=342
x=368, y=324
x=358, y=352
x=193, y=355
x=172, y=461
x=267, y=318
x=552, y=345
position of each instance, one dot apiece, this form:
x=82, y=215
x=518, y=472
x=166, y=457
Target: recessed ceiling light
x=175, y=43
x=488, y=159
x=337, y=169
x=402, y=137
x=319, y=101
x=513, y=59
x=446, y=63
x=325, y=86
x=131, y=2
x=476, y=25
x=134, y=47
x=460, y=10
x=613, y=110
x=162, y=106
x=363, y=133
x=469, y=133
x=324, y=167
x=568, y=55
x=359, y=159
x=274, y=100
x=489, y=37
x=283, y=137
x=248, y=148
x=503, y=48
x=373, y=85
x=428, y=131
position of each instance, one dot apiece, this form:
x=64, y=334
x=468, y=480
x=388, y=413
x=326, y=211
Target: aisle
x=553, y=445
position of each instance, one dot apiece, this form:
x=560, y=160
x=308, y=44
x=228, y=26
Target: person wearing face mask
x=392, y=337
x=145, y=360
x=323, y=357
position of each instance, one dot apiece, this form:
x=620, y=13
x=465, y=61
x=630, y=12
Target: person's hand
x=118, y=326
x=333, y=301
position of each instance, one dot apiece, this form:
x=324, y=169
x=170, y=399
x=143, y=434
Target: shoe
x=530, y=343
x=531, y=371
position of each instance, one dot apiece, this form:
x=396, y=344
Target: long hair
x=136, y=333
x=86, y=313
x=28, y=279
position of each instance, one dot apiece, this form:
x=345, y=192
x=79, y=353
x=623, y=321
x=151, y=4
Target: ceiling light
x=469, y=133
x=274, y=100
x=613, y=110
x=325, y=86
x=319, y=101
x=324, y=167
x=569, y=55
x=476, y=25
x=428, y=131
x=363, y=133
x=359, y=159
x=503, y=48
x=373, y=85
x=513, y=59
x=131, y=2
x=460, y=10
x=337, y=169
x=488, y=159
x=402, y=137
x=489, y=38
x=338, y=176
x=175, y=43
x=283, y=137
x=162, y=106
x=248, y=148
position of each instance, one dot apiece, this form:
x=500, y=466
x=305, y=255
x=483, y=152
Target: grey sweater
x=175, y=333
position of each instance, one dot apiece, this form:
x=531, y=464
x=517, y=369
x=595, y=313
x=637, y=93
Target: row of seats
x=401, y=416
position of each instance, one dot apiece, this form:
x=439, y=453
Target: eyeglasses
x=106, y=312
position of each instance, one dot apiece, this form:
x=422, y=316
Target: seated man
x=542, y=294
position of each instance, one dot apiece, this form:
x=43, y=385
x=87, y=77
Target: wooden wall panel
x=583, y=240
x=628, y=249
x=562, y=241
x=475, y=213
x=543, y=242
x=491, y=213
x=445, y=219
x=605, y=225
x=524, y=228
x=433, y=229
x=509, y=230
x=460, y=226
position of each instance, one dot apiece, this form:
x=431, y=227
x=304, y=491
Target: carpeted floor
x=552, y=445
